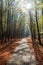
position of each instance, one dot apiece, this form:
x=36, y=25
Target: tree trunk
x=1, y=14
x=39, y=38
x=31, y=24
x=8, y=23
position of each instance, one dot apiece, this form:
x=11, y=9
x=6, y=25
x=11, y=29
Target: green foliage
x=15, y=23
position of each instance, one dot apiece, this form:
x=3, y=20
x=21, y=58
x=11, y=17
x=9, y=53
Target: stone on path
x=22, y=55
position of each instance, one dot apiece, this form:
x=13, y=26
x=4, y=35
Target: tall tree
x=1, y=15
x=39, y=38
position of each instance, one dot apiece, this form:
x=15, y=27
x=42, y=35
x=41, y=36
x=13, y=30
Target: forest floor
x=7, y=50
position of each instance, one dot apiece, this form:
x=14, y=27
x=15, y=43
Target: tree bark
x=1, y=15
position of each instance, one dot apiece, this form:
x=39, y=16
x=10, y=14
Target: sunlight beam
x=28, y=6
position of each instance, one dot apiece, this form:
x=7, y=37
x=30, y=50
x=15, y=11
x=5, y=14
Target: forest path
x=8, y=51
x=22, y=55
x=21, y=49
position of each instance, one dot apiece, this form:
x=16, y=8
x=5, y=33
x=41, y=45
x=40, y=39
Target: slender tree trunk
x=8, y=23
x=1, y=14
x=39, y=38
x=31, y=24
